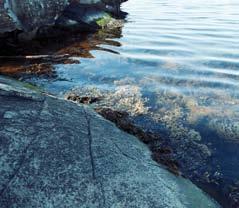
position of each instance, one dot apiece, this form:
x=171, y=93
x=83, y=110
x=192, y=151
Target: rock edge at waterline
x=55, y=153
x=35, y=16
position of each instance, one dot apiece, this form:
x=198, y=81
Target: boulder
x=54, y=153
x=30, y=15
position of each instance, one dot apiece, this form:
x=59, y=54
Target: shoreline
x=193, y=150
x=54, y=142
x=164, y=155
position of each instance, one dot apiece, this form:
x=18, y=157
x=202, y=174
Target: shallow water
x=175, y=68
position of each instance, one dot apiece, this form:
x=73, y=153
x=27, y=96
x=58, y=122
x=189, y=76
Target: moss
x=103, y=21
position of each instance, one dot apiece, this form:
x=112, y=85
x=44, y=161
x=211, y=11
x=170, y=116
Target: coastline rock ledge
x=30, y=15
x=54, y=153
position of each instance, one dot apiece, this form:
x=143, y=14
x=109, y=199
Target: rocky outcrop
x=6, y=22
x=30, y=15
x=54, y=153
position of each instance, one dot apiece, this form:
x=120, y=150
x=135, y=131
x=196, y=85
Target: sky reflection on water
x=179, y=60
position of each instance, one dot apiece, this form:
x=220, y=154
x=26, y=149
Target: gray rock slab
x=54, y=153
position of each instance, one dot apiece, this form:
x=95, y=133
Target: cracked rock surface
x=54, y=153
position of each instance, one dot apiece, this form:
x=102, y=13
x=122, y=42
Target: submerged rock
x=123, y=98
x=205, y=152
x=160, y=153
x=57, y=154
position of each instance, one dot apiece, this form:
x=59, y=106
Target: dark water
x=175, y=68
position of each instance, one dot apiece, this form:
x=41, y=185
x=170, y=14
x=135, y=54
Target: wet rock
x=225, y=127
x=85, y=17
x=122, y=120
x=197, y=153
x=30, y=15
x=161, y=154
x=59, y=154
x=124, y=97
x=83, y=100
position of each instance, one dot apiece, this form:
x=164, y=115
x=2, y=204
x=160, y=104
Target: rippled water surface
x=175, y=68
x=185, y=47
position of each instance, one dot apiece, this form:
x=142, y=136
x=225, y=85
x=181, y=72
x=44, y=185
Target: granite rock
x=54, y=153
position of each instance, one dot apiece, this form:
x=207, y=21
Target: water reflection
x=38, y=57
x=174, y=69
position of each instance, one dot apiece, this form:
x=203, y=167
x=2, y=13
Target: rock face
x=54, y=153
x=6, y=22
x=29, y=15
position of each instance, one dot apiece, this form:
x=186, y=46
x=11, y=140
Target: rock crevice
x=55, y=153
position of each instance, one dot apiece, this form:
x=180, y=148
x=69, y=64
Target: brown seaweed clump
x=161, y=154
